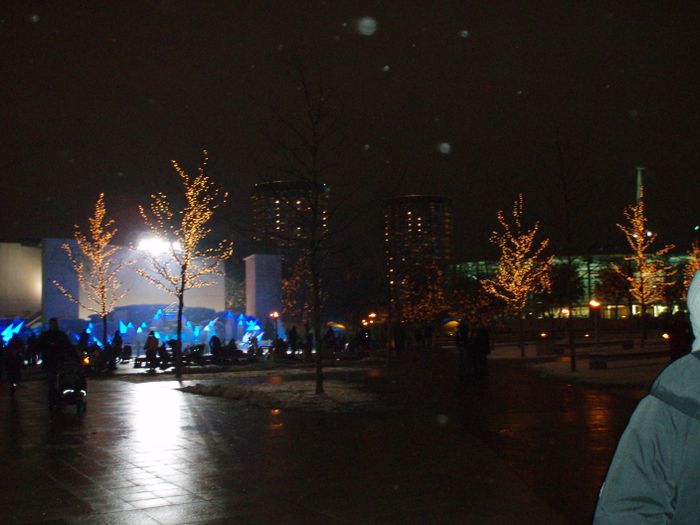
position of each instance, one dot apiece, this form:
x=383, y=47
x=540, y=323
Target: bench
x=599, y=361
x=193, y=359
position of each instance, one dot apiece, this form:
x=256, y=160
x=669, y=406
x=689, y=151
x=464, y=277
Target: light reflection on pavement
x=147, y=453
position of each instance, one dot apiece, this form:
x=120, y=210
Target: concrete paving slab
x=148, y=453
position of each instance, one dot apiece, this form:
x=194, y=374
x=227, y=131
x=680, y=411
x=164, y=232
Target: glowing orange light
x=666, y=336
x=275, y=411
x=543, y=335
x=594, y=303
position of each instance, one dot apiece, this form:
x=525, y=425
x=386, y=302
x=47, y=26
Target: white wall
x=263, y=290
x=57, y=266
x=20, y=280
x=143, y=292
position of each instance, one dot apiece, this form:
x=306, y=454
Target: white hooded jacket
x=694, y=309
x=654, y=477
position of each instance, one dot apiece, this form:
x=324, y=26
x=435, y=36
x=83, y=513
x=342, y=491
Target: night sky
x=474, y=100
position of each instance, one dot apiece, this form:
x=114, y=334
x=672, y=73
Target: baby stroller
x=72, y=386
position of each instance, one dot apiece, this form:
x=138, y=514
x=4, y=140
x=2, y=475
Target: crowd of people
x=53, y=347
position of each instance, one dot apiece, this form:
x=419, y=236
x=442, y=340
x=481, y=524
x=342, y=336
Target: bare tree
x=568, y=203
x=306, y=145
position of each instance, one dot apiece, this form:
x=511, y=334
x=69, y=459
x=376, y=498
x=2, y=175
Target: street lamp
x=594, y=305
x=275, y=315
x=372, y=318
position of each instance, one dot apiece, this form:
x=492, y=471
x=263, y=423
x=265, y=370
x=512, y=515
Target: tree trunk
x=104, y=330
x=521, y=334
x=316, y=313
x=177, y=351
x=390, y=334
x=643, y=308
x=570, y=308
x=572, y=342
x=642, y=302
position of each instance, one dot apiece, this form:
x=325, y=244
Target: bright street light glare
x=158, y=246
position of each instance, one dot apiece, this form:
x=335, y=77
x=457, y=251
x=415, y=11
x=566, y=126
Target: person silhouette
x=655, y=472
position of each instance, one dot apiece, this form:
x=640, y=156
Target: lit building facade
x=588, y=269
x=283, y=212
x=28, y=272
x=417, y=237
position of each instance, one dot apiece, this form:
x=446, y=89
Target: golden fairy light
x=692, y=265
x=296, y=290
x=185, y=263
x=523, y=269
x=96, y=266
x=422, y=299
x=650, y=277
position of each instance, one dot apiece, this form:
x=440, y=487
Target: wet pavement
x=558, y=437
x=513, y=449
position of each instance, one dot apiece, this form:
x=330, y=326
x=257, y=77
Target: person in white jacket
x=654, y=477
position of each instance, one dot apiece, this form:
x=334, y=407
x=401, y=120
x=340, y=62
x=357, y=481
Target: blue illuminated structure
x=198, y=325
x=134, y=323
x=11, y=329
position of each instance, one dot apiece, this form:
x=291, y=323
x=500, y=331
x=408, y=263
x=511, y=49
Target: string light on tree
x=523, y=269
x=96, y=266
x=184, y=263
x=422, y=298
x=296, y=291
x=692, y=265
x=651, y=274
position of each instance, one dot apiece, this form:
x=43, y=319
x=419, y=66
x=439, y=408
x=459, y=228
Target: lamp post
x=372, y=317
x=572, y=346
x=594, y=305
x=275, y=315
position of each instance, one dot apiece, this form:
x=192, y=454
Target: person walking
x=293, y=340
x=654, y=476
x=14, y=359
x=482, y=348
x=462, y=343
x=32, y=349
x=215, y=348
x=115, y=350
x=680, y=335
x=2, y=355
x=151, y=346
x=54, y=346
x=308, y=343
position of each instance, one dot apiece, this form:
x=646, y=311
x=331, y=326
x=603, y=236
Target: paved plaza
x=513, y=449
